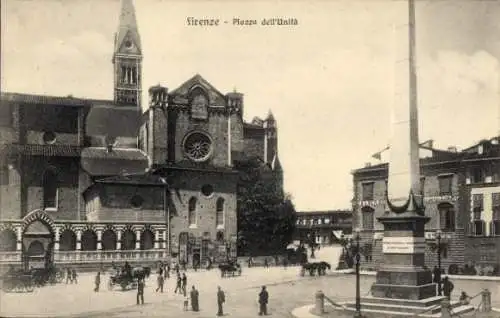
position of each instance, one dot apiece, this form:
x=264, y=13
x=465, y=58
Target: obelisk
x=402, y=274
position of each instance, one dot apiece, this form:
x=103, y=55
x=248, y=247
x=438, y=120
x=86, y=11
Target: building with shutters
x=461, y=193
x=90, y=182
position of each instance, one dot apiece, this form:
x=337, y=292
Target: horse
x=322, y=267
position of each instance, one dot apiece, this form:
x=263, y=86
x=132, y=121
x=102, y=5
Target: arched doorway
x=128, y=240
x=67, y=241
x=89, y=241
x=108, y=240
x=38, y=240
x=147, y=240
x=8, y=240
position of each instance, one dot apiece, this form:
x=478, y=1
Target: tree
x=266, y=218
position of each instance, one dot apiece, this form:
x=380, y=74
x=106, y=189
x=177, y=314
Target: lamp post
x=357, y=259
x=438, y=238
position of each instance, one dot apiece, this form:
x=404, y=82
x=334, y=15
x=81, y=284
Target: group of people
x=71, y=276
x=446, y=285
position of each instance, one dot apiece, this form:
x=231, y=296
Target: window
x=219, y=213
x=386, y=187
x=50, y=190
x=422, y=185
x=368, y=218
x=367, y=191
x=478, y=226
x=495, y=223
x=447, y=217
x=4, y=175
x=192, y=211
x=445, y=183
x=477, y=175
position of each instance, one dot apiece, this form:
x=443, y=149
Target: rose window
x=198, y=146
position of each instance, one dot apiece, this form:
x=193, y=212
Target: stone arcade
x=90, y=182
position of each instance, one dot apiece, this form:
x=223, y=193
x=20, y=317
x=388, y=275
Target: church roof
x=115, y=153
x=214, y=95
x=43, y=99
x=146, y=178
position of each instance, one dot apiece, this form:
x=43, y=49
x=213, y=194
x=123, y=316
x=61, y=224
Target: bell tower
x=127, y=59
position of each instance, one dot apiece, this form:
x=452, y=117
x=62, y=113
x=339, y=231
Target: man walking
x=436, y=278
x=178, y=285
x=161, y=281
x=97, y=281
x=221, y=299
x=184, y=283
x=263, y=299
x=140, y=291
x=194, y=299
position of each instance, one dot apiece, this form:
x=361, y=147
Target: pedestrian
x=184, y=283
x=69, y=276
x=464, y=299
x=194, y=299
x=178, y=286
x=140, y=291
x=266, y=263
x=221, y=299
x=97, y=281
x=161, y=281
x=436, y=277
x=186, y=303
x=263, y=299
x=447, y=287
x=167, y=270
x=74, y=276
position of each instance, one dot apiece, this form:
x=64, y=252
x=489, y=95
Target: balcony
x=10, y=257
x=108, y=256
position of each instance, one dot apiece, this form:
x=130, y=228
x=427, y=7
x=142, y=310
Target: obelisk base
x=403, y=274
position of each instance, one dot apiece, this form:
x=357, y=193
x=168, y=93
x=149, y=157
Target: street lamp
x=438, y=237
x=357, y=259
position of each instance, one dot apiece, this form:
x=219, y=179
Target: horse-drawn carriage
x=231, y=268
x=17, y=281
x=42, y=276
x=127, y=278
x=319, y=267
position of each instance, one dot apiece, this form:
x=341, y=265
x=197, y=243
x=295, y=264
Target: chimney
x=452, y=148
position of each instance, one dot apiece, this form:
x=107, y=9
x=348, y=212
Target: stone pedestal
x=402, y=274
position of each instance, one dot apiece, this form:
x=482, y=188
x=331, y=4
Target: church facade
x=161, y=183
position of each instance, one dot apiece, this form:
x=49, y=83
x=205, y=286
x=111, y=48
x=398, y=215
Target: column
x=99, y=239
x=118, y=239
x=137, y=239
x=19, y=232
x=229, y=159
x=78, y=239
x=56, y=239
x=164, y=244
x=157, y=239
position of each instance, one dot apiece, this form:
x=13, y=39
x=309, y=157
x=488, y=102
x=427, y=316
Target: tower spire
x=127, y=58
x=127, y=27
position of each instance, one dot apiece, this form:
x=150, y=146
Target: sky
x=329, y=80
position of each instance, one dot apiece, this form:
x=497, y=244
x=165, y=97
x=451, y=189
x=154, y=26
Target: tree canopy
x=266, y=217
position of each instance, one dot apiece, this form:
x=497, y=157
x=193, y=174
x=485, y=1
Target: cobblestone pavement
x=286, y=288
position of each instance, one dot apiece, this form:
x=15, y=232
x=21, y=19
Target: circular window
x=128, y=44
x=207, y=190
x=49, y=137
x=197, y=146
x=136, y=201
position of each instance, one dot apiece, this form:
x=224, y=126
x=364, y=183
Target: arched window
x=368, y=217
x=147, y=240
x=192, y=211
x=67, y=241
x=446, y=217
x=8, y=241
x=128, y=240
x=219, y=212
x=219, y=236
x=50, y=184
x=89, y=241
x=108, y=240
